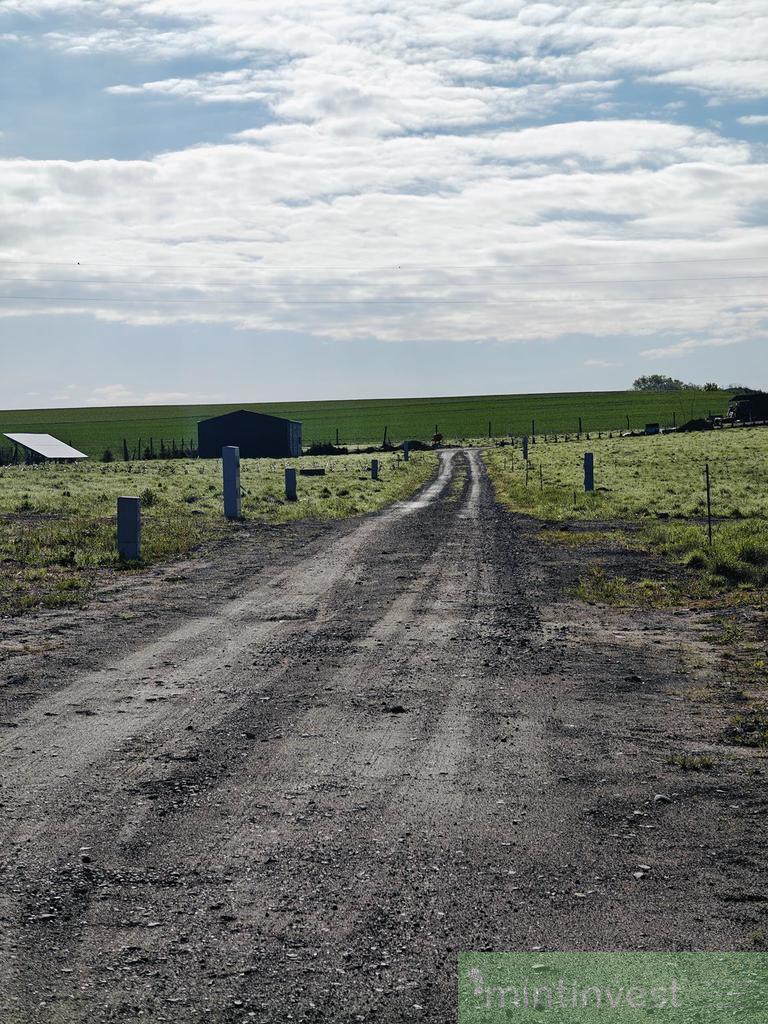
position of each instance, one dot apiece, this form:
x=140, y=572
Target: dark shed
x=254, y=433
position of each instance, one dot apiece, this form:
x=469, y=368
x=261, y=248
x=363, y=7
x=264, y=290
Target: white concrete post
x=129, y=529
x=290, y=484
x=374, y=469
x=230, y=457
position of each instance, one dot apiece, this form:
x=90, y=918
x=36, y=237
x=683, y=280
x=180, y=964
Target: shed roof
x=47, y=446
x=247, y=412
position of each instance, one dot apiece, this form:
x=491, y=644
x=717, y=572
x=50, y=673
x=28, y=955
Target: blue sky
x=246, y=200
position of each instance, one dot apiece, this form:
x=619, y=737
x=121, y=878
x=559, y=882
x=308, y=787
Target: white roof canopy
x=47, y=446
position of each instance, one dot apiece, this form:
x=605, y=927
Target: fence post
x=129, y=529
x=374, y=469
x=406, y=450
x=709, y=503
x=290, y=484
x=589, y=471
x=230, y=458
x=525, y=448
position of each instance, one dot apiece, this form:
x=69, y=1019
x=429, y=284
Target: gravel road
x=292, y=780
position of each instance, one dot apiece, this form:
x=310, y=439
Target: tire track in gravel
x=88, y=740
x=212, y=818
x=378, y=756
x=279, y=610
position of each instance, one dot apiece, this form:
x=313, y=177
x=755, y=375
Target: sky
x=246, y=200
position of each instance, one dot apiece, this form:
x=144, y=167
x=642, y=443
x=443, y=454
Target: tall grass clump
x=738, y=555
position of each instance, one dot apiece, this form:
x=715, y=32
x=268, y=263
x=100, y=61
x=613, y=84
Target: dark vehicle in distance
x=748, y=407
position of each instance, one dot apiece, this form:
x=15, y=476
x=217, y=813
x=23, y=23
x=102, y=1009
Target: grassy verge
x=738, y=555
x=652, y=499
x=639, y=478
x=57, y=523
x=656, y=486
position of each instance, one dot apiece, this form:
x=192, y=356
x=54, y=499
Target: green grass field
x=638, y=477
x=657, y=483
x=363, y=422
x=57, y=522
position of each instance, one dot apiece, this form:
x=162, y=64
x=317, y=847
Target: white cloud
x=119, y=394
x=407, y=237
x=109, y=394
x=688, y=347
x=754, y=119
x=601, y=364
x=393, y=192
x=708, y=47
x=727, y=77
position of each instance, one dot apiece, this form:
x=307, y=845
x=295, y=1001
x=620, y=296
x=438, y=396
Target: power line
x=319, y=284
x=251, y=265
x=381, y=302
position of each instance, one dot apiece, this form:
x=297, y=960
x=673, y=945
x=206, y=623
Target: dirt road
x=293, y=780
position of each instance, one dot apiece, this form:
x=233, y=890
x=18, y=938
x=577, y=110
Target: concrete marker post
x=374, y=469
x=589, y=471
x=129, y=529
x=230, y=458
x=290, y=485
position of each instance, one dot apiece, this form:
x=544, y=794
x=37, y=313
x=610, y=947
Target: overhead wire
x=354, y=302
x=260, y=265
x=319, y=284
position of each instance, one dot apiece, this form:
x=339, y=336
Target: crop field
x=656, y=483
x=57, y=522
x=363, y=422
